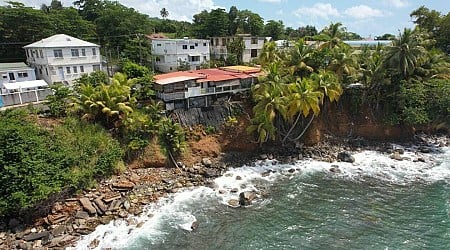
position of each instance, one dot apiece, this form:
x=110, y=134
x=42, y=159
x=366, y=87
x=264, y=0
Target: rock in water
x=194, y=225
x=345, y=157
x=396, y=156
x=246, y=198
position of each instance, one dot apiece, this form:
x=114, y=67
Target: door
x=11, y=77
x=61, y=73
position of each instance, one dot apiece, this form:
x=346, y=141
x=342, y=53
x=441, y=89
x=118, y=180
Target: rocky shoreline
x=129, y=192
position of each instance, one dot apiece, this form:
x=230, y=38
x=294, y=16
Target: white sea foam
x=176, y=210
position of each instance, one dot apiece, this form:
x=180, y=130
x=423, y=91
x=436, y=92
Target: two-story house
x=253, y=46
x=62, y=58
x=201, y=88
x=169, y=54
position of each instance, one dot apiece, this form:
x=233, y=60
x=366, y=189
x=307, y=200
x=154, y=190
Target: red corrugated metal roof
x=202, y=75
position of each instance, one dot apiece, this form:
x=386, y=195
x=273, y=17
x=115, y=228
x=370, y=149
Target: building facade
x=62, y=58
x=253, y=46
x=18, y=85
x=201, y=88
x=170, y=54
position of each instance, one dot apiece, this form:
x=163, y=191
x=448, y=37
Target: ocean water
x=374, y=203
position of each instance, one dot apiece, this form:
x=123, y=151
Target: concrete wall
x=10, y=99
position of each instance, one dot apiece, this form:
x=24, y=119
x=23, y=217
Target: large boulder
x=206, y=162
x=345, y=157
x=246, y=198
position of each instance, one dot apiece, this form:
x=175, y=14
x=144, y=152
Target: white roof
x=175, y=79
x=25, y=84
x=60, y=40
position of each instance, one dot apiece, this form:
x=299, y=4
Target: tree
x=299, y=58
x=232, y=16
x=274, y=29
x=250, y=23
x=331, y=35
x=404, y=54
x=172, y=138
x=429, y=20
x=164, y=13
x=386, y=36
x=236, y=47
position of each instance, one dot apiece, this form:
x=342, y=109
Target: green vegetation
x=406, y=82
x=37, y=163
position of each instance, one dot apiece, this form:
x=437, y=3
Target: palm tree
x=332, y=35
x=404, y=55
x=164, y=13
x=342, y=62
x=172, y=138
x=269, y=54
x=270, y=103
x=298, y=59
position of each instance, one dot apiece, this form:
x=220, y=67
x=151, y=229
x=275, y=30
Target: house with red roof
x=202, y=88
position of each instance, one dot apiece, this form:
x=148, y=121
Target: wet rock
x=126, y=204
x=238, y=178
x=94, y=243
x=396, y=156
x=58, y=218
x=345, y=157
x=263, y=157
x=233, y=203
x=421, y=159
x=399, y=150
x=194, y=225
x=123, y=214
x=291, y=170
x=335, y=169
x=425, y=150
x=206, y=162
x=87, y=205
x=100, y=204
x=234, y=190
x=246, y=198
x=265, y=174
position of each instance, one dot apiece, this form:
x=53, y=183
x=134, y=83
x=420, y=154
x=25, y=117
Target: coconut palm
x=164, y=13
x=270, y=103
x=269, y=54
x=332, y=35
x=342, y=62
x=298, y=59
x=172, y=138
x=404, y=55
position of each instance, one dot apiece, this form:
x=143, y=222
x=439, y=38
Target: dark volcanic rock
x=246, y=198
x=345, y=157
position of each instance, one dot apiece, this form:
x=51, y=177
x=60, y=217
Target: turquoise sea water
x=376, y=203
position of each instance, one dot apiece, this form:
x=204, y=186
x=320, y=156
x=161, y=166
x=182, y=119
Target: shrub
x=36, y=163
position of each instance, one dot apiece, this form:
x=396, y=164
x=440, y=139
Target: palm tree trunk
x=172, y=159
x=292, y=128
x=304, y=130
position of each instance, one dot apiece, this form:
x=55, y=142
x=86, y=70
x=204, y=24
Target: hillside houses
x=62, y=58
x=201, y=88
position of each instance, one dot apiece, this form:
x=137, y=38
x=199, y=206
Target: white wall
x=48, y=67
x=5, y=75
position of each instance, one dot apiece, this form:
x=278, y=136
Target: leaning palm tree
x=172, y=138
x=342, y=62
x=332, y=35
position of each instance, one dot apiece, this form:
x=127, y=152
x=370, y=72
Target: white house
x=252, y=46
x=15, y=72
x=62, y=58
x=18, y=85
x=170, y=53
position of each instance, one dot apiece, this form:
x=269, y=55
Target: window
x=158, y=59
x=254, y=40
x=212, y=42
x=184, y=46
x=75, y=69
x=41, y=53
x=205, y=58
x=22, y=74
x=254, y=53
x=192, y=47
x=94, y=52
x=96, y=67
x=58, y=53
x=158, y=45
x=46, y=71
x=196, y=44
x=81, y=69
x=224, y=41
x=68, y=70
x=75, y=52
x=40, y=71
x=204, y=44
x=83, y=52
